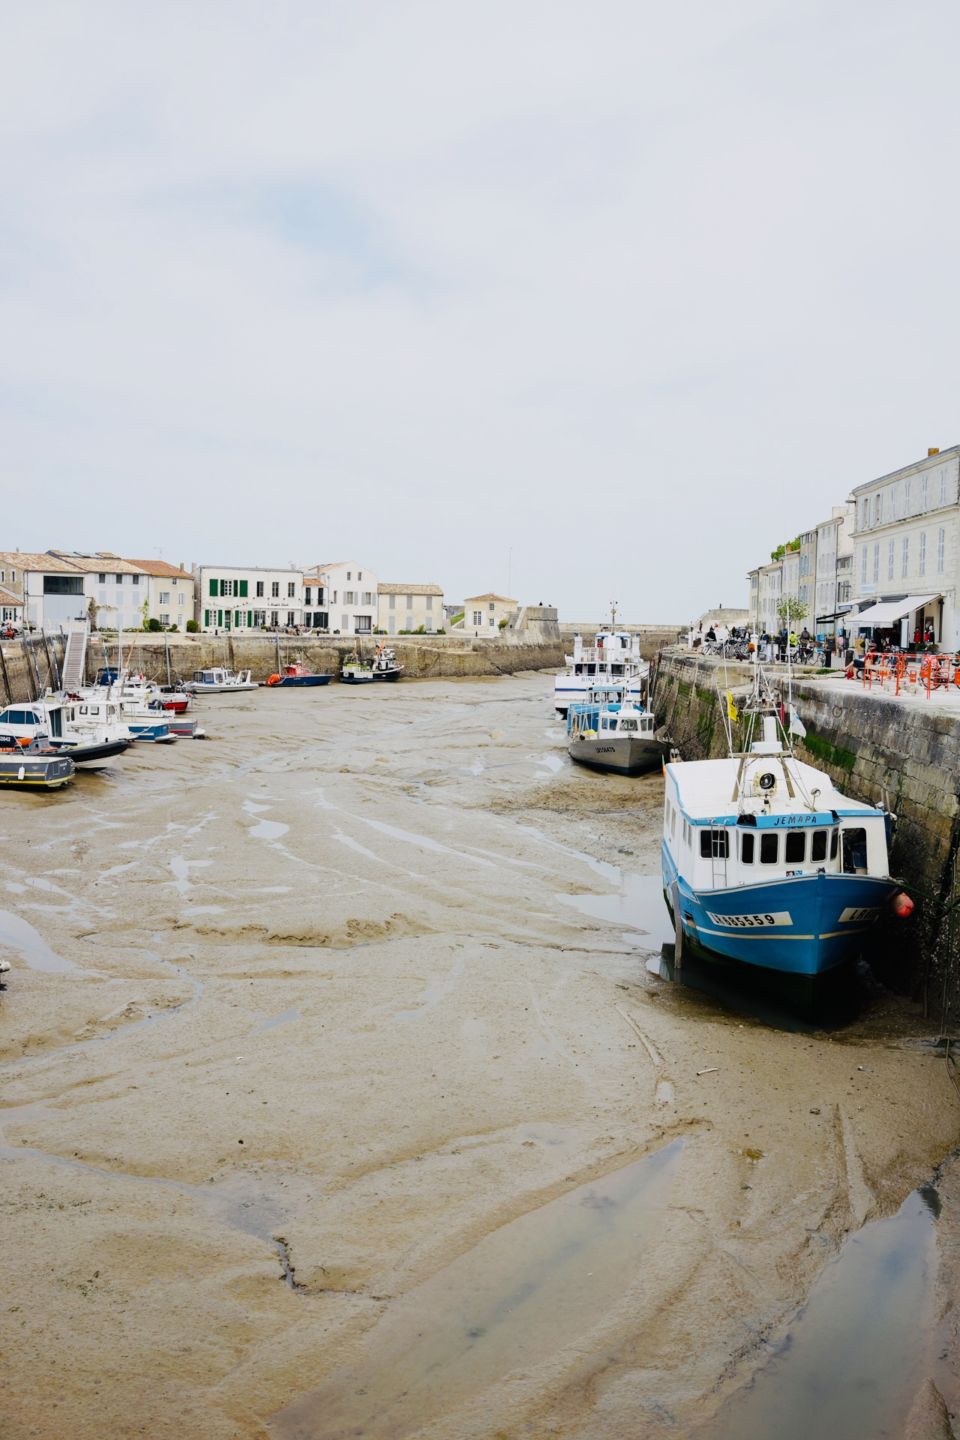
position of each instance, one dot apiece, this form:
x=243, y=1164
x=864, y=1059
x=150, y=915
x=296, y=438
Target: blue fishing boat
x=609, y=731
x=298, y=676
x=765, y=862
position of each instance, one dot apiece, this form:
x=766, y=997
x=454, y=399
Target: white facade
x=115, y=589
x=482, y=613
x=769, y=594
x=248, y=597
x=410, y=608
x=52, y=590
x=351, y=596
x=170, y=593
x=907, y=543
x=834, y=547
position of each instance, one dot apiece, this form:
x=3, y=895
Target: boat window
x=796, y=848
x=746, y=847
x=834, y=843
x=818, y=846
x=628, y=725
x=855, y=850
x=714, y=844
x=769, y=848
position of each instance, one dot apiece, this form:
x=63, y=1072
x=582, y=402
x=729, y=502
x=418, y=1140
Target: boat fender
x=273, y=679
x=902, y=905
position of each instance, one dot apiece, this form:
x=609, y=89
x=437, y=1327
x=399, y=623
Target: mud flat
x=342, y=1095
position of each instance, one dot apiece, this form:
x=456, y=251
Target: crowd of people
x=801, y=647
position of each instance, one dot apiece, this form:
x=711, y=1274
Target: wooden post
x=6, y=677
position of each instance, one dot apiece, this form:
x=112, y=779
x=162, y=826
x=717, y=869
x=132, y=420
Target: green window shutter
x=206, y=617
x=219, y=617
x=243, y=589
x=214, y=585
x=249, y=619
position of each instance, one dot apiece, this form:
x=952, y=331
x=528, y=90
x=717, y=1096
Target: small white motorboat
x=219, y=681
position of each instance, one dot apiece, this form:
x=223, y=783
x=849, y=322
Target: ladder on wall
x=75, y=658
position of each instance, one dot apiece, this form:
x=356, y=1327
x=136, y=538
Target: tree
x=93, y=609
x=791, y=611
x=192, y=627
x=781, y=550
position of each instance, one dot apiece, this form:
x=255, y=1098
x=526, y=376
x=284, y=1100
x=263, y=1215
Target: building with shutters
x=409, y=607
x=482, y=613
x=169, y=593
x=247, y=597
x=349, y=597
x=906, y=551
x=115, y=589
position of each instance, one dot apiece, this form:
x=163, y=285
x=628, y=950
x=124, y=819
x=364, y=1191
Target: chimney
x=933, y=450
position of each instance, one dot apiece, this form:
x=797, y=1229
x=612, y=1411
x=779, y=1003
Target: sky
x=574, y=302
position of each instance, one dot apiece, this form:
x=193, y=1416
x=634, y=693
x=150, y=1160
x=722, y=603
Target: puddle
x=286, y=1017
x=536, y=1285
x=550, y=764
x=850, y=1364
x=181, y=868
x=354, y=845
x=20, y=935
x=264, y=829
x=637, y=906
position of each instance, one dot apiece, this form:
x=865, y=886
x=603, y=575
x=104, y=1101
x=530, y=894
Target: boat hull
x=35, y=772
x=623, y=754
x=387, y=674
x=300, y=682
x=799, y=925
x=356, y=679
x=219, y=689
x=157, y=733
x=84, y=754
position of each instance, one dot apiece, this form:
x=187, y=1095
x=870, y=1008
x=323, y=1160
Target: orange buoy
x=273, y=679
x=902, y=905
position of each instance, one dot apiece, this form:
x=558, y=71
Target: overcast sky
x=635, y=291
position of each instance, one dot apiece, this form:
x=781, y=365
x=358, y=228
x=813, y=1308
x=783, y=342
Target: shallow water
x=19, y=935
x=850, y=1363
x=526, y=1291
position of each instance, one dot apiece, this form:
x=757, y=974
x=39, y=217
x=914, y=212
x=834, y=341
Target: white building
x=115, y=589
x=769, y=595
x=50, y=590
x=170, y=593
x=410, y=608
x=248, y=597
x=906, y=541
x=350, y=594
x=316, y=613
x=482, y=613
x=834, y=547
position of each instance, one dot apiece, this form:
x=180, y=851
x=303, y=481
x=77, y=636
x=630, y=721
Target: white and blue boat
x=766, y=863
x=613, y=659
x=608, y=731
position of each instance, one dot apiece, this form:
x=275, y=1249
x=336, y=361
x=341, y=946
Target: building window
x=164, y=619
x=941, y=545
x=349, y=574
x=478, y=617
x=891, y=560
x=135, y=579
x=164, y=597
x=101, y=579
x=259, y=589
x=362, y=624
x=349, y=597
x=879, y=507
x=226, y=587
x=923, y=492
x=491, y=605
x=118, y=579
x=367, y=597
x=943, y=487
x=393, y=602
x=275, y=589
x=359, y=574
x=181, y=598
x=904, y=556
x=863, y=564
x=876, y=562
x=429, y=600
x=907, y=488
x=291, y=617
x=291, y=589
x=922, y=554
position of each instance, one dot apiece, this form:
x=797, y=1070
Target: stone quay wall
x=900, y=755
x=424, y=657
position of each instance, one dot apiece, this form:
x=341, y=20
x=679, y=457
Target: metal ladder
x=75, y=658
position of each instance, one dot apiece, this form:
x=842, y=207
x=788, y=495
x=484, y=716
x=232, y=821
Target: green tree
x=792, y=611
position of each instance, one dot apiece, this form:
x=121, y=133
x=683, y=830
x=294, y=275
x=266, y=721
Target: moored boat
x=355, y=670
x=609, y=731
x=613, y=659
x=385, y=664
x=297, y=676
x=88, y=735
x=219, y=681
x=765, y=862
x=34, y=765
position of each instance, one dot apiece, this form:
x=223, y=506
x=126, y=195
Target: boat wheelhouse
x=386, y=666
x=613, y=658
x=765, y=862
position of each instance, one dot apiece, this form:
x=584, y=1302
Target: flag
x=732, y=712
x=797, y=726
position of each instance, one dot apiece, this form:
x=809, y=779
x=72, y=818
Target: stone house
x=247, y=597
x=408, y=607
x=170, y=593
x=349, y=596
x=482, y=613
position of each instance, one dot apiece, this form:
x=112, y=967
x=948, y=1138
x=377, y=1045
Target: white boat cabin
x=613, y=653
x=746, y=820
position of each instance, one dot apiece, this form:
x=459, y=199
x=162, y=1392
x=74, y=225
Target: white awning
x=889, y=611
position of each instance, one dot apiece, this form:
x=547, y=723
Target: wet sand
x=338, y=1098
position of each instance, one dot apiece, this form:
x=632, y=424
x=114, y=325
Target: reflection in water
x=849, y=1366
x=20, y=935
x=638, y=905
x=523, y=1293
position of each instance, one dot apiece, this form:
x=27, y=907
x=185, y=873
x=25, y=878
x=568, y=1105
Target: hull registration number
x=851, y=916
x=752, y=922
